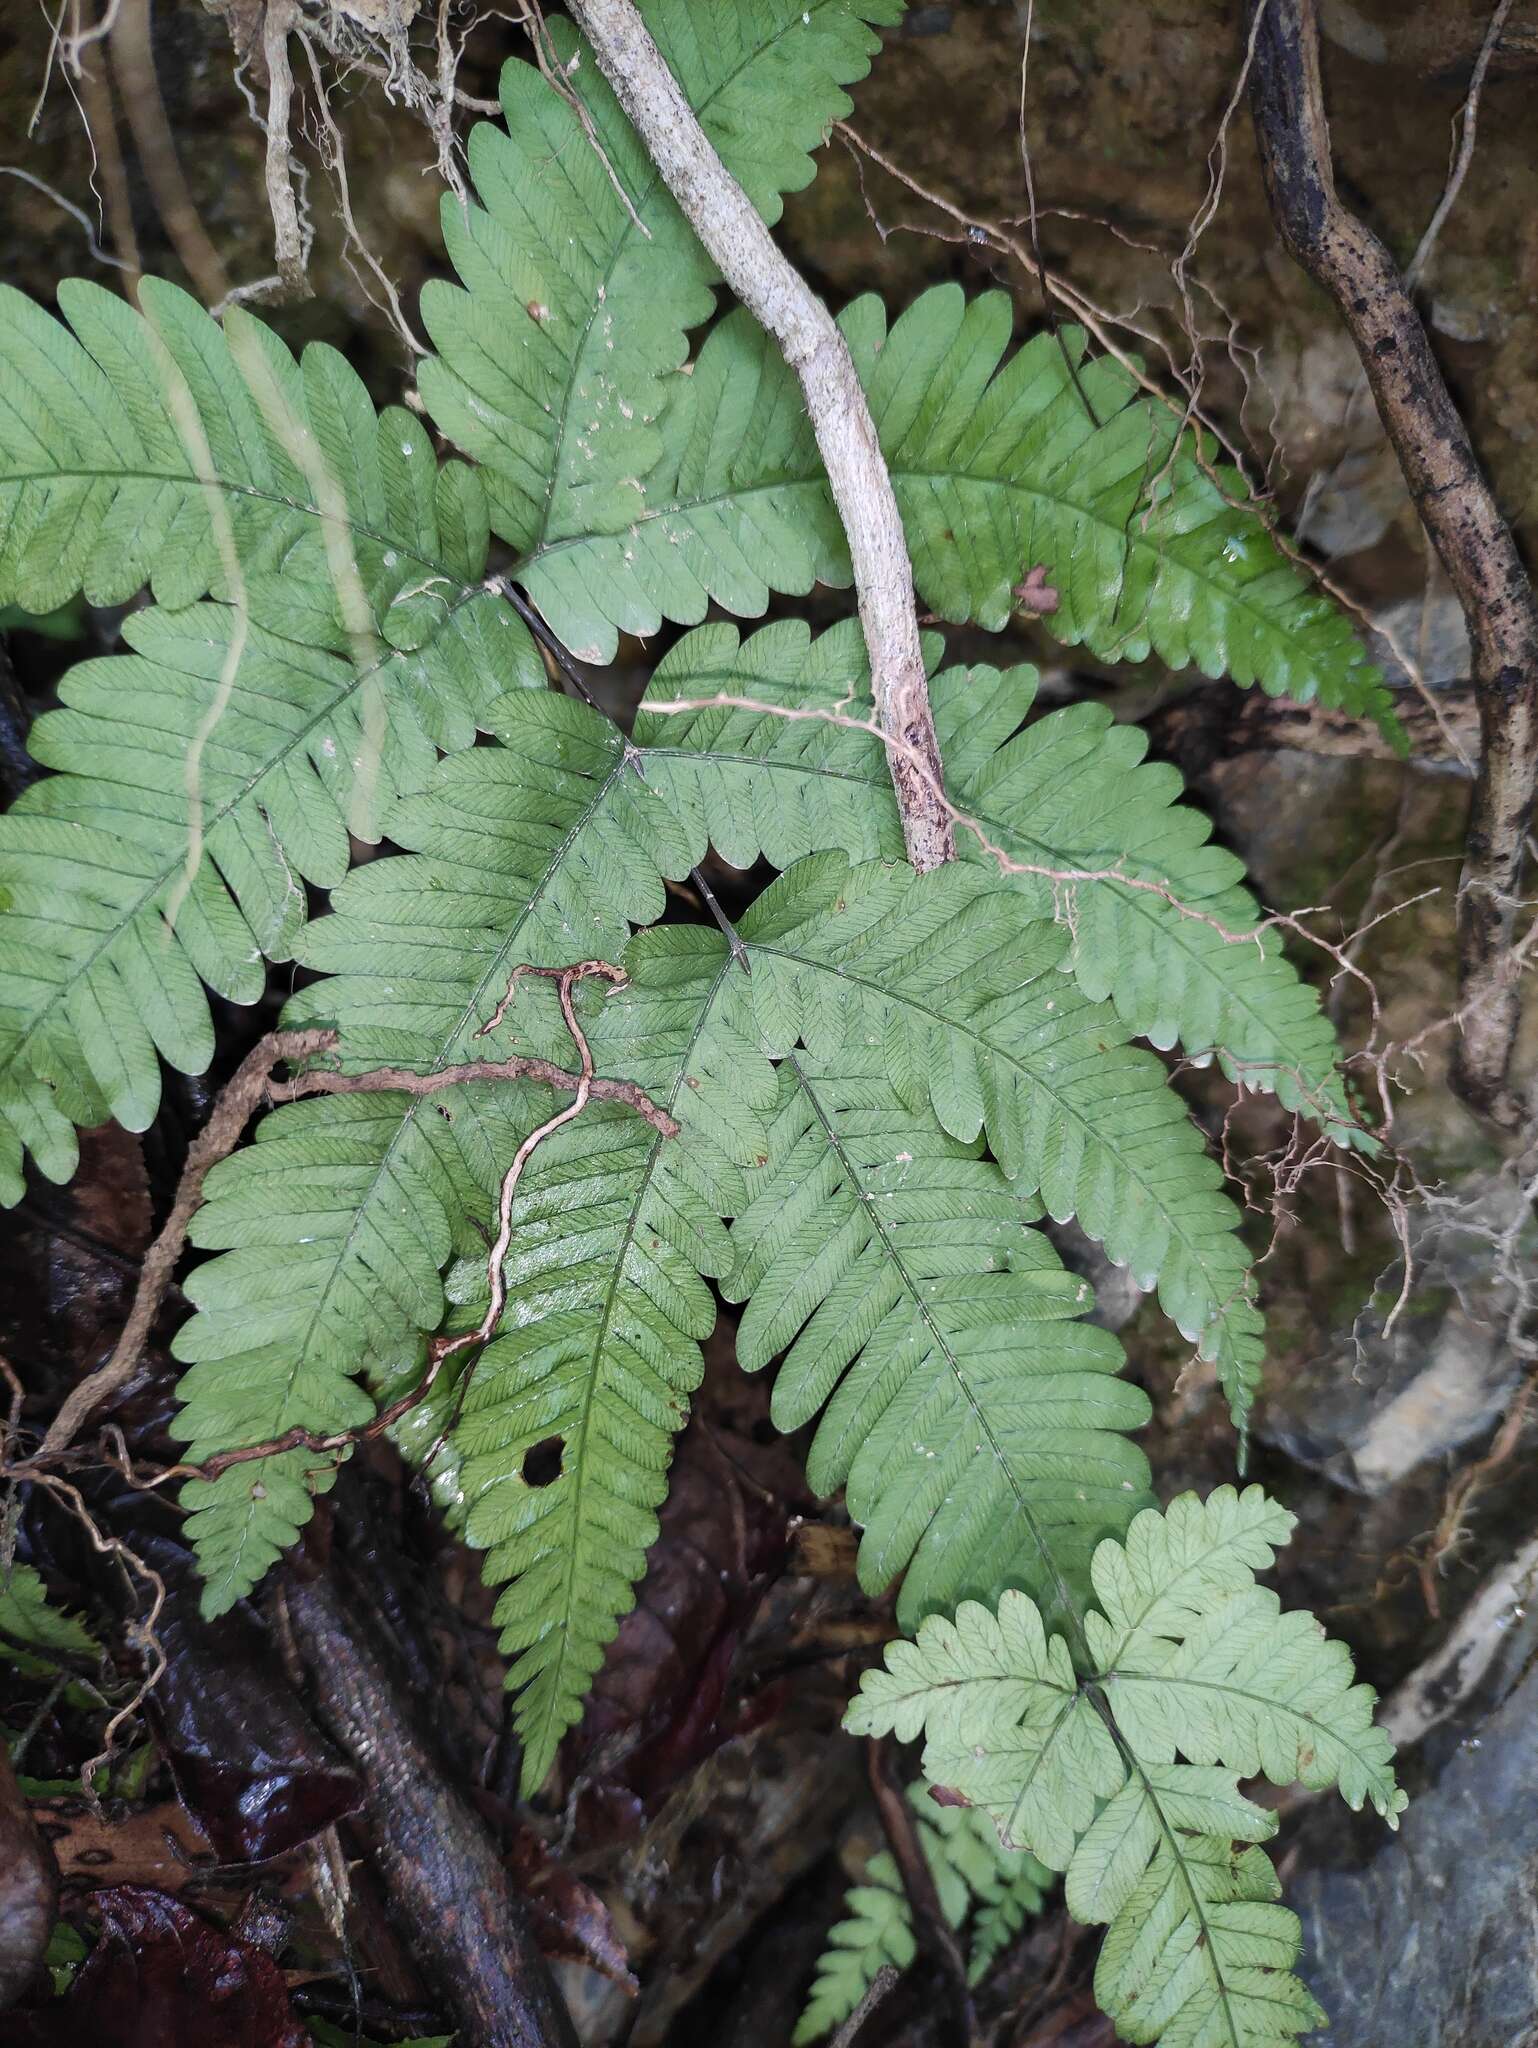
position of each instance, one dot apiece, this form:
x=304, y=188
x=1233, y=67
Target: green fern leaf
x=337, y=1222
x=961, y=989
x=877, y=1931
x=581, y=276
x=976, y=1428
x=1074, y=1753
x=205, y=777
x=996, y=470
x=1071, y=794
x=159, y=447
x=970, y=1868
x=606, y=1311
x=1017, y=1895
x=32, y=1623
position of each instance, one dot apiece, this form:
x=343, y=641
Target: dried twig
x=1457, y=509
x=884, y=1981
x=1461, y=1494
x=1464, y=154
x=447, y=1884
x=253, y=1085
x=998, y=236
x=142, y=1633
x=133, y=63
x=290, y=241
x=725, y=220
x=930, y=1925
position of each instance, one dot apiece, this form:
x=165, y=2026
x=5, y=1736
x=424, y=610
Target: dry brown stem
x=253, y=1085
x=934, y=1931
x=1456, y=507
x=726, y=221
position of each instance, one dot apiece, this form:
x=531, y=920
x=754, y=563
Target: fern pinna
x=881, y=1082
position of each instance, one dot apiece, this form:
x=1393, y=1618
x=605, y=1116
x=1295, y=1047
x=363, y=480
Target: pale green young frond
x=1118, y=1759
x=1199, y=1659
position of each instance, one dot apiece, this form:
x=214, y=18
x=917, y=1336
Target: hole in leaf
x=542, y=1461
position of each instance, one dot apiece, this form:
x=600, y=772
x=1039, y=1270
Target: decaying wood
x=447, y=1885
x=29, y=1889
x=1456, y=507
x=779, y=298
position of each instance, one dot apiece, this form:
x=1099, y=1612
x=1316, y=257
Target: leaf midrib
x=600, y=1338
x=189, y=480
x=1065, y=1597
x=707, y=271
x=1023, y=1067
x=1228, y=1688
x=1094, y=1691
x=1061, y=504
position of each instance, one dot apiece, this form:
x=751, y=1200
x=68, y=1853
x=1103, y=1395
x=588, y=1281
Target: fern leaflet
x=995, y=470
x=210, y=774
x=581, y=276
x=1070, y=793
x=157, y=447
x=337, y=1222
x=959, y=987
x=606, y=1311
x=970, y=1867
x=30, y=1623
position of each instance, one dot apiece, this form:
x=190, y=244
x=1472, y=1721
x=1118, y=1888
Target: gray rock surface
x=1433, y=1941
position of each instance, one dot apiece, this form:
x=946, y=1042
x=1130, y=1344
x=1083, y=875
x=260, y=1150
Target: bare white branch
x=771, y=288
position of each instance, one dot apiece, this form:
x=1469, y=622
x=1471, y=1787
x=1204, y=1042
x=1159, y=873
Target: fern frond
x=30, y=1621
x=1070, y=793
x=977, y=1429
x=970, y=1867
x=997, y=467
x=208, y=776
x=204, y=779
x=580, y=275
x=877, y=1930
x=950, y=975
x=612, y=1229
x=1074, y=1752
x=336, y=1223
x=158, y=447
